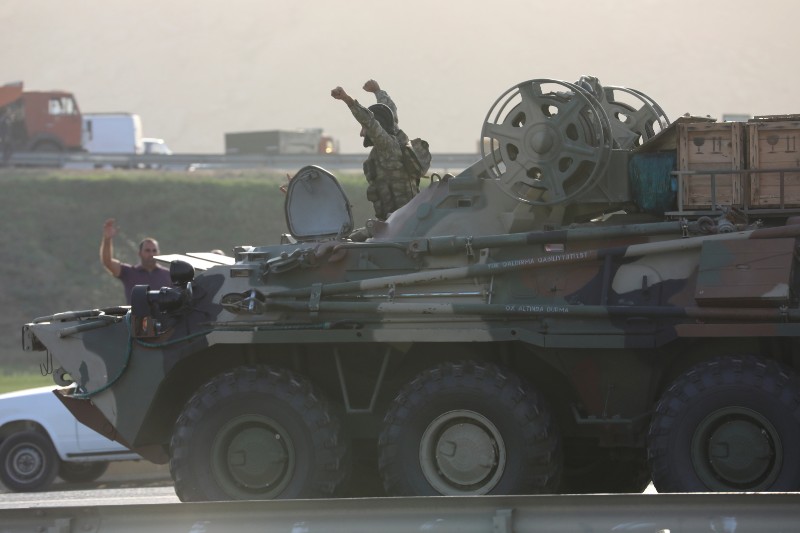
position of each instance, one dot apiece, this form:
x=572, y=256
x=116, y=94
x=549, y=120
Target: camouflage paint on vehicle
x=521, y=327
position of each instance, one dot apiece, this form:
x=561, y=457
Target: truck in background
x=112, y=133
x=121, y=133
x=304, y=141
x=43, y=121
x=155, y=146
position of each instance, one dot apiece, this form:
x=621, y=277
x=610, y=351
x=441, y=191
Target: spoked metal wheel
x=635, y=117
x=546, y=141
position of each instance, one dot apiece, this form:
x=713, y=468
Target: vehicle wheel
x=731, y=424
x=29, y=462
x=81, y=472
x=468, y=428
x=606, y=471
x=254, y=434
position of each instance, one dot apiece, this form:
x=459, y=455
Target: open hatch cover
x=316, y=206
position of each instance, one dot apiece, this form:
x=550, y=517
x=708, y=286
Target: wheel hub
x=466, y=454
x=257, y=457
x=541, y=139
x=26, y=462
x=462, y=452
x=737, y=448
x=253, y=454
x=740, y=450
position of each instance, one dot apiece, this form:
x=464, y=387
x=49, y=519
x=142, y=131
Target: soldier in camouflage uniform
x=390, y=186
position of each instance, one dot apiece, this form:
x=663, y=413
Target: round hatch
x=316, y=206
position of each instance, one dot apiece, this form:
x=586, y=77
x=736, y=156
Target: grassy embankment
x=52, y=223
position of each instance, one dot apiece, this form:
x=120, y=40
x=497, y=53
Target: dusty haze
x=194, y=70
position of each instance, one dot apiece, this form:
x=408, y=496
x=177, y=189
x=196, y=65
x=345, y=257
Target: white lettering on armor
x=511, y=308
x=543, y=260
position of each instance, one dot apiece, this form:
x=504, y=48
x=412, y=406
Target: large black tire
x=468, y=428
x=605, y=470
x=81, y=472
x=28, y=462
x=731, y=424
x=257, y=433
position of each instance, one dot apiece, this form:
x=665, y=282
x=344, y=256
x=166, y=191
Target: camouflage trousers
x=389, y=195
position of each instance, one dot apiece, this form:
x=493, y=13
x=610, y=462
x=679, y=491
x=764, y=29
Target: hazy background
x=194, y=70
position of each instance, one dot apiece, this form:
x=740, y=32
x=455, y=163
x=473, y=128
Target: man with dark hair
x=147, y=272
x=390, y=185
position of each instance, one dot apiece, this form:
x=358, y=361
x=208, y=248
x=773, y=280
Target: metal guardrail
x=640, y=513
x=445, y=162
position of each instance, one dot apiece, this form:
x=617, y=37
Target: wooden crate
x=711, y=146
x=774, y=144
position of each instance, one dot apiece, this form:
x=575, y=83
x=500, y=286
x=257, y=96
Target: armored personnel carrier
x=586, y=308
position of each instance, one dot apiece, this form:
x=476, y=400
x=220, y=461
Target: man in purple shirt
x=147, y=272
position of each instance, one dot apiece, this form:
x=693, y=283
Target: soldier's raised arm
x=372, y=86
x=340, y=94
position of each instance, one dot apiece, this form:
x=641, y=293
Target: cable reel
x=635, y=117
x=546, y=141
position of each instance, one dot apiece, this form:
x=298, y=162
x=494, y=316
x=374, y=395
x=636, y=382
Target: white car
x=40, y=439
x=153, y=146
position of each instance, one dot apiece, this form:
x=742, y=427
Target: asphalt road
x=125, y=483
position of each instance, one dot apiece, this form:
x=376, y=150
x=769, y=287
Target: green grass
x=23, y=380
x=52, y=224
